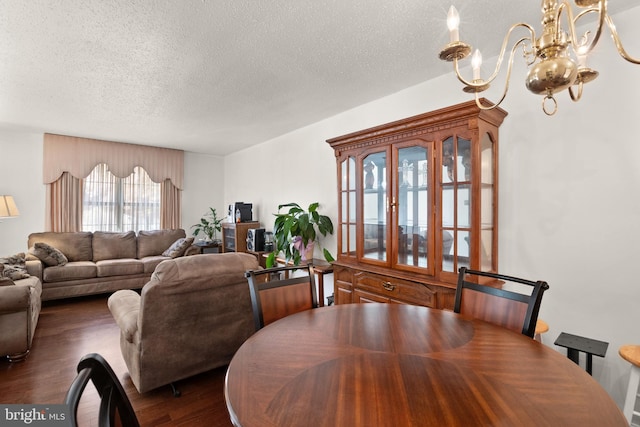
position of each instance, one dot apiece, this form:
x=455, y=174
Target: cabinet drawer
x=361, y=296
x=397, y=289
x=343, y=274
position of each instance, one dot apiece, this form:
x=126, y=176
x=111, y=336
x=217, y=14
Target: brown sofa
x=99, y=262
x=19, y=311
x=191, y=317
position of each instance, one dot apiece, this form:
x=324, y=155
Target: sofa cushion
x=108, y=245
x=119, y=267
x=73, y=270
x=151, y=262
x=178, y=247
x=14, y=267
x=75, y=246
x=48, y=254
x=155, y=242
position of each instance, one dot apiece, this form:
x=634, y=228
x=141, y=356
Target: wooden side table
x=208, y=248
x=320, y=268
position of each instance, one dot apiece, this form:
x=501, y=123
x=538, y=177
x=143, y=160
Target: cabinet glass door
x=347, y=220
x=229, y=237
x=374, y=206
x=412, y=203
x=487, y=193
x=456, y=203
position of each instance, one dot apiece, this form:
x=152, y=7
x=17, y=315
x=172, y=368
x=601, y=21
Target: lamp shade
x=8, y=207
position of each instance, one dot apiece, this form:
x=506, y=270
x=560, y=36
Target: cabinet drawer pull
x=388, y=286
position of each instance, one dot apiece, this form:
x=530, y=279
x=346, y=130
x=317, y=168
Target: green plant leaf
x=298, y=222
x=296, y=258
x=328, y=256
x=208, y=225
x=271, y=260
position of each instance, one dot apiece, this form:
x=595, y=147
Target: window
x=120, y=204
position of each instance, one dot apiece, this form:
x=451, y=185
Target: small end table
x=209, y=247
x=320, y=268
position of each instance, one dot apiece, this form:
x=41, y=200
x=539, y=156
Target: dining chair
x=280, y=291
x=115, y=407
x=500, y=299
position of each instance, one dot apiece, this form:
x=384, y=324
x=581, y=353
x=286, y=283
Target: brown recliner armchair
x=191, y=317
x=19, y=311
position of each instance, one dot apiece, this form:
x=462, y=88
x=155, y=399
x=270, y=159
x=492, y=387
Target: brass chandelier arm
x=616, y=40
x=508, y=77
x=505, y=42
x=482, y=107
x=462, y=80
x=602, y=15
x=485, y=82
x=574, y=97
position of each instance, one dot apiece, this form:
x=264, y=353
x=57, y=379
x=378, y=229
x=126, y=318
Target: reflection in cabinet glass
x=347, y=224
x=417, y=201
x=456, y=205
x=413, y=205
x=374, y=206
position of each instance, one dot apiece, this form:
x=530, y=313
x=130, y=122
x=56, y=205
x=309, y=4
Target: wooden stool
x=631, y=353
x=541, y=328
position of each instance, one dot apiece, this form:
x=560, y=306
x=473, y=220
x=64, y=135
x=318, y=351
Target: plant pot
x=307, y=253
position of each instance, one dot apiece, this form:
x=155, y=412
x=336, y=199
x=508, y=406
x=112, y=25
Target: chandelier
x=556, y=59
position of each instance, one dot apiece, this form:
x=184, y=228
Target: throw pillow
x=5, y=281
x=15, y=267
x=48, y=254
x=178, y=247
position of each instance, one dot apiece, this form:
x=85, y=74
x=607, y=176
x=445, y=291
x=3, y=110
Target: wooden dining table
x=403, y=365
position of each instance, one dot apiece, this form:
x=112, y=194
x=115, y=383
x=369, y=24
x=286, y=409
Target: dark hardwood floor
x=69, y=329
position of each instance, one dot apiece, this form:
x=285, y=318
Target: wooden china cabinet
x=417, y=199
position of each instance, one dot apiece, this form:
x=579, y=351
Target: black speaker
x=255, y=239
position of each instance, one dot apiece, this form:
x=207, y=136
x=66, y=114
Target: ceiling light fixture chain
x=556, y=60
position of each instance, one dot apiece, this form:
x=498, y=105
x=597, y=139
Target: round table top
x=403, y=365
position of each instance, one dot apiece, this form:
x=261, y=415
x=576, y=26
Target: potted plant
x=209, y=225
x=296, y=231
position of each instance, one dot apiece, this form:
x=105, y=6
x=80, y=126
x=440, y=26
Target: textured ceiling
x=214, y=76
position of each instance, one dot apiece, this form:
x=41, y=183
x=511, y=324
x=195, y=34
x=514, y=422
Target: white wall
x=203, y=188
x=21, y=177
x=569, y=210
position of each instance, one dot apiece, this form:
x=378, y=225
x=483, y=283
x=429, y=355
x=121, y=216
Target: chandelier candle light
x=556, y=60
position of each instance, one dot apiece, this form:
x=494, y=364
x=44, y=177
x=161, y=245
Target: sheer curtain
x=120, y=204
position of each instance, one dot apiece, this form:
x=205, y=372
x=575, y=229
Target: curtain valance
x=79, y=156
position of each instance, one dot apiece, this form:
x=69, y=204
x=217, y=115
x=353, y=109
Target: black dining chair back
x=115, y=407
x=507, y=301
x=280, y=291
